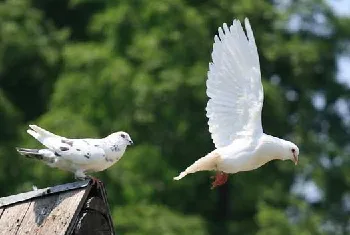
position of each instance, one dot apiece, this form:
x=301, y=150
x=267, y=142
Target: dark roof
x=74, y=208
x=4, y=201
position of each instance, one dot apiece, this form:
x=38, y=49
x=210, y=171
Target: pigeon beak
x=130, y=142
x=295, y=160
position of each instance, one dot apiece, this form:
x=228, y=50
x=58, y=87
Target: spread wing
x=234, y=86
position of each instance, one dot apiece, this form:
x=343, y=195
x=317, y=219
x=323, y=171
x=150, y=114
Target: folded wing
x=234, y=86
x=81, y=151
x=78, y=151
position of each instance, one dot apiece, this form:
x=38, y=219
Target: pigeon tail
x=206, y=163
x=28, y=152
x=40, y=154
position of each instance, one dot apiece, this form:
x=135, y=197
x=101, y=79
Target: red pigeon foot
x=220, y=179
x=95, y=181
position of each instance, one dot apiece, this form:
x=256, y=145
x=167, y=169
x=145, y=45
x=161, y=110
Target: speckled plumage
x=79, y=156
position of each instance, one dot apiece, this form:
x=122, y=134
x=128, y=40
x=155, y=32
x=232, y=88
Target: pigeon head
x=120, y=137
x=291, y=152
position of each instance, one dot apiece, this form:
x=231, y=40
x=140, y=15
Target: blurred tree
x=30, y=60
x=141, y=66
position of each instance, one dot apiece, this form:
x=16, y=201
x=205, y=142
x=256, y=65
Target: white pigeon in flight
x=79, y=156
x=234, y=109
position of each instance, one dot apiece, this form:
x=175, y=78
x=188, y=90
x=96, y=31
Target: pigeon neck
x=275, y=147
x=114, y=142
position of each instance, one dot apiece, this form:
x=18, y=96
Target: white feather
x=234, y=86
x=234, y=108
x=77, y=155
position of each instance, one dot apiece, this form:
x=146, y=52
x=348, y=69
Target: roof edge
x=5, y=201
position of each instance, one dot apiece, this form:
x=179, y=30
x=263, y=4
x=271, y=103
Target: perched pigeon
x=234, y=109
x=79, y=156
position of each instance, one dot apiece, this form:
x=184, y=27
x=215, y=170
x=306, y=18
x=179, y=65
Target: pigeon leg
x=220, y=179
x=79, y=175
x=95, y=181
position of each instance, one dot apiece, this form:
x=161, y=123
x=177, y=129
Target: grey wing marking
x=80, y=151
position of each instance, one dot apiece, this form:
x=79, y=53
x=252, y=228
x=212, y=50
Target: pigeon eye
x=123, y=135
x=293, y=150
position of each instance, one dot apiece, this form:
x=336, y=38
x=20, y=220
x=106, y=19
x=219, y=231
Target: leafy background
x=88, y=68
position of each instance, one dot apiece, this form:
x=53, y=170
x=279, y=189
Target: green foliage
x=157, y=220
x=89, y=68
